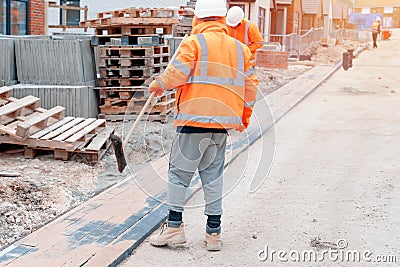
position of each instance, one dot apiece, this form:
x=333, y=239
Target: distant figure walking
x=376, y=30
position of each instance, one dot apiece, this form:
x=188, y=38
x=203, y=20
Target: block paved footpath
x=105, y=230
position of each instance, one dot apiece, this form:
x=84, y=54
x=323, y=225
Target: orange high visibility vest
x=217, y=87
x=247, y=32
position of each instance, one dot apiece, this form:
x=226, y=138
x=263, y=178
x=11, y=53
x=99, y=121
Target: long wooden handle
x=139, y=118
x=149, y=101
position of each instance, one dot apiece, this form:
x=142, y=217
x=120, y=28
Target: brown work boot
x=213, y=242
x=169, y=236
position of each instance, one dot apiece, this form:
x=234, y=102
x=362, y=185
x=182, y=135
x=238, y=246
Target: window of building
x=388, y=10
x=19, y=14
x=14, y=17
x=73, y=16
x=261, y=19
x=365, y=10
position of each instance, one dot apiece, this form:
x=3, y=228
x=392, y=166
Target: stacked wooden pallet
x=185, y=25
x=132, y=26
x=131, y=52
x=123, y=73
x=23, y=122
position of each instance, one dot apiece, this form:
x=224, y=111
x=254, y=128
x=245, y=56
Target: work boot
x=169, y=236
x=213, y=242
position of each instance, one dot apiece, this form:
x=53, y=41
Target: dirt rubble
x=47, y=188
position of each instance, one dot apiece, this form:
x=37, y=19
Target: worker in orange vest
x=244, y=30
x=216, y=92
x=376, y=29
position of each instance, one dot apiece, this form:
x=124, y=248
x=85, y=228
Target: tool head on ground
x=210, y=8
x=234, y=16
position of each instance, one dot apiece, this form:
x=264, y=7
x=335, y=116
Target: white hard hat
x=234, y=16
x=210, y=8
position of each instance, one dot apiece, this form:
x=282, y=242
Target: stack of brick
x=272, y=59
x=131, y=52
x=185, y=25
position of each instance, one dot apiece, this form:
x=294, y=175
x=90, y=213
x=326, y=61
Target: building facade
x=286, y=18
x=388, y=9
x=313, y=15
x=21, y=17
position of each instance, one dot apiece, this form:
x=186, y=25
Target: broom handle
x=148, y=102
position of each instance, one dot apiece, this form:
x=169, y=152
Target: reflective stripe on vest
x=246, y=33
x=205, y=79
x=250, y=104
x=209, y=119
x=180, y=66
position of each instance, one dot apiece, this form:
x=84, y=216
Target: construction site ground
x=47, y=188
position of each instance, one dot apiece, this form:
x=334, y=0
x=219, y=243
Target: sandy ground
x=335, y=177
x=48, y=188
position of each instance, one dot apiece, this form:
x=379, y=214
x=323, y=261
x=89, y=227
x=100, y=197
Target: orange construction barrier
x=386, y=34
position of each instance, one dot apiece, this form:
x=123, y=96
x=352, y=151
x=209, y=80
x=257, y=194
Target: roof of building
x=376, y=3
x=284, y=2
x=311, y=6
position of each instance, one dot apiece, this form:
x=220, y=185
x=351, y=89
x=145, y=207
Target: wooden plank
x=29, y=102
x=24, y=127
x=100, y=139
x=51, y=128
x=62, y=129
x=74, y=130
x=5, y=92
x=86, y=130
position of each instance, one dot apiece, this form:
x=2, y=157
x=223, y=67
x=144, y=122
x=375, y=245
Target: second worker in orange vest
x=244, y=30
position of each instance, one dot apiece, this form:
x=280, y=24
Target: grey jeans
x=204, y=152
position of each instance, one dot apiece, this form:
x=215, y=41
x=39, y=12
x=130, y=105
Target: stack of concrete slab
x=8, y=74
x=79, y=101
x=55, y=62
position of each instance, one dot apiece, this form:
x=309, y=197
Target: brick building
x=287, y=17
x=20, y=17
x=389, y=9
x=313, y=14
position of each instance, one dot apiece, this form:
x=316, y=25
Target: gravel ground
x=47, y=188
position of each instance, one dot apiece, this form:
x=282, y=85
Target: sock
x=174, y=219
x=214, y=221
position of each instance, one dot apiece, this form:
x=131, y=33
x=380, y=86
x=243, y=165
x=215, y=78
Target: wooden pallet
x=133, y=61
x=141, y=30
x=135, y=12
x=108, y=22
x=124, y=94
x=132, y=51
x=120, y=39
x=121, y=82
x=161, y=117
x=115, y=106
x=24, y=122
x=131, y=72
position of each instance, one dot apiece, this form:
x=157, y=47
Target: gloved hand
x=241, y=128
x=156, y=88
